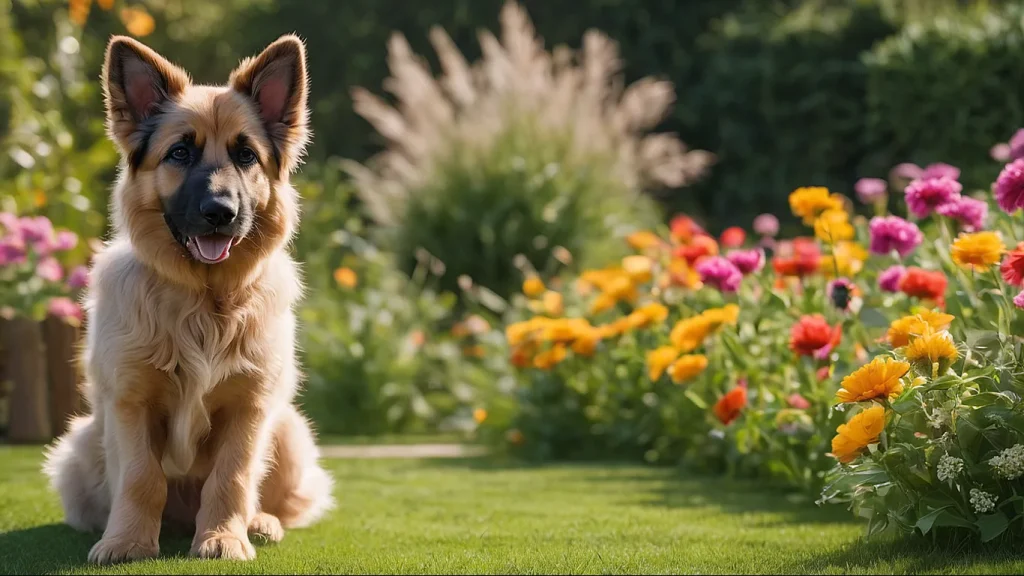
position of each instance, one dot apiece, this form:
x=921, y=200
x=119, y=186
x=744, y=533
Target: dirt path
x=403, y=451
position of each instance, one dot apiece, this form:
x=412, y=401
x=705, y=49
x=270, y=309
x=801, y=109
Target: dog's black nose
x=218, y=211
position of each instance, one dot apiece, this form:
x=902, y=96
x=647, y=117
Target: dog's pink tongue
x=214, y=247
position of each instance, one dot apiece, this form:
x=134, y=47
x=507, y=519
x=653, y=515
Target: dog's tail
x=76, y=468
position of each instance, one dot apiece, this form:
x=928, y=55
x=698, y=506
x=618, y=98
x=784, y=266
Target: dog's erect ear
x=136, y=82
x=276, y=81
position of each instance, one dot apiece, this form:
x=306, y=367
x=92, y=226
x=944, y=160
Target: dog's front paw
x=266, y=527
x=224, y=545
x=117, y=549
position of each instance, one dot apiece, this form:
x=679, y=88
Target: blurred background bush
x=782, y=93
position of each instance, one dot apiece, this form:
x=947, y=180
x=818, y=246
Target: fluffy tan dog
x=190, y=352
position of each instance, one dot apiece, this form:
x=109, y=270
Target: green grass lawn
x=474, y=517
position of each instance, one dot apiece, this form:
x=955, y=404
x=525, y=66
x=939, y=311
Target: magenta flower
x=78, y=278
x=38, y=230
x=1009, y=189
x=940, y=170
x=65, y=240
x=871, y=190
x=1018, y=300
x=49, y=269
x=64, y=308
x=890, y=233
x=720, y=273
x=925, y=195
x=766, y=225
x=889, y=279
x=748, y=261
x=969, y=212
x=797, y=401
x=10, y=222
x=12, y=251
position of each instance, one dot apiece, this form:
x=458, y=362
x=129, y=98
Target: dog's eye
x=246, y=157
x=179, y=153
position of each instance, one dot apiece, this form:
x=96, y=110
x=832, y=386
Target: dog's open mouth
x=212, y=248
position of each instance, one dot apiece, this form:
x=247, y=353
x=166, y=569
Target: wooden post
x=24, y=364
x=62, y=366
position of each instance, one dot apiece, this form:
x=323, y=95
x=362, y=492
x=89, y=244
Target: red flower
x=1013, y=266
x=729, y=406
x=733, y=237
x=930, y=285
x=798, y=257
x=700, y=247
x=683, y=228
x=812, y=336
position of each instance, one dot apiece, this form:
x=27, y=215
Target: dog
x=189, y=349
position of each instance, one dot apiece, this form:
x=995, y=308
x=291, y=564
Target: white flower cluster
x=1010, y=462
x=949, y=467
x=982, y=501
x=937, y=418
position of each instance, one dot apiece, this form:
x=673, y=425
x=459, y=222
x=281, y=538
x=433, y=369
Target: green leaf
x=992, y=525
x=925, y=523
x=697, y=400
x=872, y=318
x=949, y=519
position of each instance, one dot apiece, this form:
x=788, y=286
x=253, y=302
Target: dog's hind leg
x=75, y=465
x=296, y=491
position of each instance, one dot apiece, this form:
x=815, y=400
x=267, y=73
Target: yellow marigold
x=847, y=258
x=728, y=314
x=902, y=329
x=643, y=240
x=933, y=352
x=533, y=286
x=564, y=329
x=689, y=333
x=653, y=313
x=620, y=288
x=346, y=277
x=687, y=367
x=550, y=357
x=878, y=378
x=552, y=303
x=639, y=268
x=809, y=202
x=586, y=342
x=833, y=226
x=479, y=415
x=854, y=436
x=978, y=249
x=660, y=359
x=602, y=302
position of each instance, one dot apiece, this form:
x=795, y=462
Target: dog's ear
x=136, y=83
x=276, y=82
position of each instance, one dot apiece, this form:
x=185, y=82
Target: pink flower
x=1009, y=189
x=65, y=308
x=78, y=278
x=940, y=170
x=1018, y=300
x=38, y=230
x=65, y=240
x=1017, y=145
x=766, y=225
x=1001, y=152
x=49, y=269
x=720, y=273
x=889, y=280
x=905, y=171
x=797, y=401
x=871, y=190
x=10, y=223
x=925, y=195
x=889, y=233
x=12, y=251
x=971, y=213
x=748, y=261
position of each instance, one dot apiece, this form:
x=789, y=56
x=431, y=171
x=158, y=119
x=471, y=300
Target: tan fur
x=191, y=367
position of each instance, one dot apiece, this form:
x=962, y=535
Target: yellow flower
x=728, y=314
x=808, y=203
x=638, y=268
x=833, y=226
x=878, y=378
x=847, y=257
x=479, y=415
x=687, y=367
x=689, y=333
x=550, y=357
x=933, y=352
x=603, y=302
x=854, y=436
x=587, y=341
x=980, y=249
x=660, y=359
x=552, y=303
x=533, y=286
x=901, y=330
x=137, y=21
x=346, y=277
x=643, y=240
x=518, y=332
x=564, y=329
x=620, y=288
x=653, y=313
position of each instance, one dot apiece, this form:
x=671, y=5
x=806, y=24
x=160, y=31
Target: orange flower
x=552, y=303
x=660, y=359
x=587, y=341
x=346, y=277
x=1013, y=266
x=978, y=249
x=137, y=21
x=644, y=240
x=812, y=336
x=689, y=333
x=683, y=228
x=924, y=284
x=550, y=357
x=730, y=405
x=853, y=437
x=733, y=237
x=479, y=415
x=638, y=268
x=798, y=257
x=533, y=286
x=879, y=378
x=687, y=367
x=601, y=303
x=522, y=355
x=700, y=247
x=653, y=313
x=902, y=329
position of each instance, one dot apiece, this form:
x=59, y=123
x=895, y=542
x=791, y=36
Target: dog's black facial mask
x=211, y=211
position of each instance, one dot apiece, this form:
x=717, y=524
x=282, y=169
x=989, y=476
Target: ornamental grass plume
x=978, y=250
x=853, y=437
x=894, y=234
x=879, y=378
